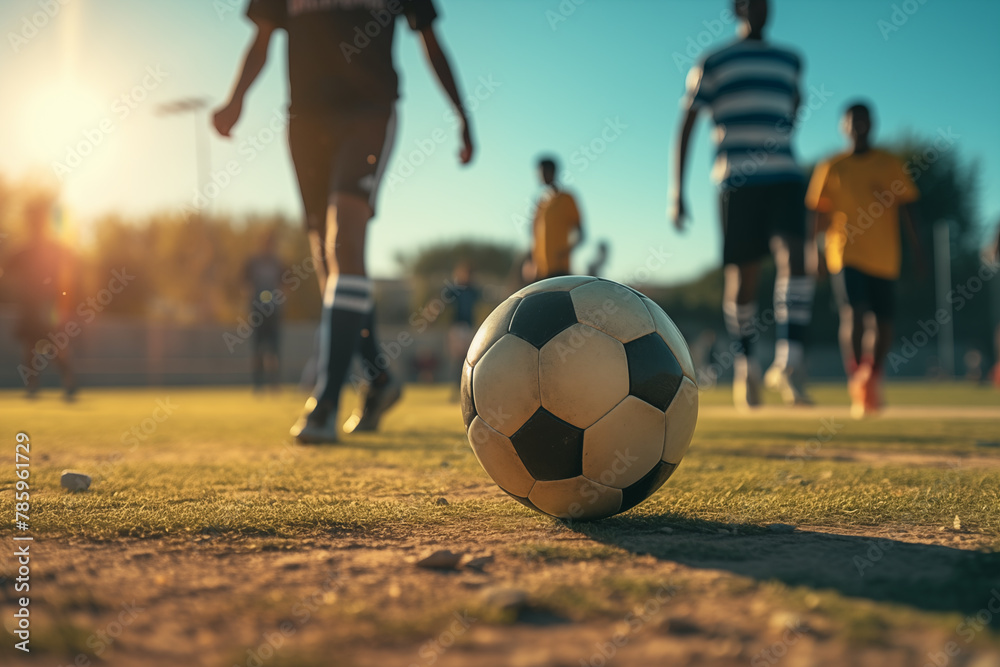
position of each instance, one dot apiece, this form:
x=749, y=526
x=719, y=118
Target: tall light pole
x=203, y=161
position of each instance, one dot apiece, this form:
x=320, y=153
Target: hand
x=678, y=213
x=465, y=155
x=225, y=118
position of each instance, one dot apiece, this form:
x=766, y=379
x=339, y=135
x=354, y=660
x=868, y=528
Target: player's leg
x=373, y=366
x=851, y=329
x=313, y=142
x=271, y=351
x=257, y=357
x=349, y=308
x=882, y=297
x=257, y=364
x=31, y=380
x=744, y=245
x=740, y=312
x=347, y=300
x=793, y=292
x=379, y=390
x=316, y=238
x=858, y=337
x=64, y=364
x=359, y=156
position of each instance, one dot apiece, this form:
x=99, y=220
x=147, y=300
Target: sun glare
x=60, y=115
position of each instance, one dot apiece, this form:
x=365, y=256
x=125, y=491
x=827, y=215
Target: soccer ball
x=579, y=397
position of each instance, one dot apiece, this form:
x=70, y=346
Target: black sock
x=347, y=305
x=369, y=352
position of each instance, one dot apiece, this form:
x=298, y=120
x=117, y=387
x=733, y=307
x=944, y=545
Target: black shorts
x=865, y=293
x=753, y=214
x=339, y=153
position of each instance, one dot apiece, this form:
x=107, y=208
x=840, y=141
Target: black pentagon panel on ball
x=541, y=316
x=468, y=404
x=654, y=374
x=635, y=493
x=549, y=448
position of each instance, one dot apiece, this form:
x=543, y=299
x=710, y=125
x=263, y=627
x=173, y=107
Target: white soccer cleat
x=316, y=426
x=375, y=402
x=746, y=384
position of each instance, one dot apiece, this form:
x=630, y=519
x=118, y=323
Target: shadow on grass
x=927, y=577
x=841, y=439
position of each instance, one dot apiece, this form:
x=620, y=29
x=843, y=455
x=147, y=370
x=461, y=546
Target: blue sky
x=549, y=79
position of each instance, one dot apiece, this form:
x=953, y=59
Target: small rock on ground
x=75, y=481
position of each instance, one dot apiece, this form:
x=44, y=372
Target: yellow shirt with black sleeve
x=862, y=194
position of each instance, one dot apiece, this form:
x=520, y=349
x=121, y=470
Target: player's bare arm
x=226, y=117
x=441, y=66
x=678, y=212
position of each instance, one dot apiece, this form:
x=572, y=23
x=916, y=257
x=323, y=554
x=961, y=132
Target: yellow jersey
x=862, y=193
x=556, y=218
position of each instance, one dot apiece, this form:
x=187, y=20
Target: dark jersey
x=340, y=51
x=45, y=279
x=466, y=298
x=262, y=273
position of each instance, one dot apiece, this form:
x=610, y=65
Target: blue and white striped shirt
x=750, y=87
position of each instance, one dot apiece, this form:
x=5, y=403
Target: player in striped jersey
x=751, y=90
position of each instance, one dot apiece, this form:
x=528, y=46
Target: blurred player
x=465, y=295
x=859, y=197
x=341, y=130
x=45, y=277
x=597, y=264
x=262, y=276
x=557, y=228
x=751, y=89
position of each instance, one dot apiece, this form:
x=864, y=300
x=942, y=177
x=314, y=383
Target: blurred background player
x=262, y=277
x=45, y=276
x=465, y=296
x=751, y=88
x=862, y=251
x=557, y=228
x=342, y=124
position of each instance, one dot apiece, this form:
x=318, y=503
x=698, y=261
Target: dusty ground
x=213, y=601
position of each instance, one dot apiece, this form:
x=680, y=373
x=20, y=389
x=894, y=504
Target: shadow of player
x=924, y=576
